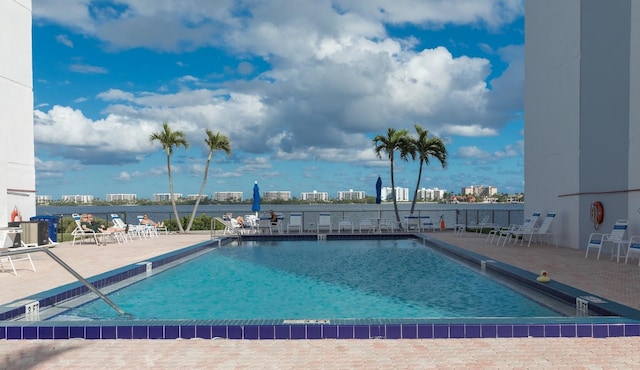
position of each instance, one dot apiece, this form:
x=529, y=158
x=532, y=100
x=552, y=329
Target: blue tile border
x=318, y=331
x=569, y=327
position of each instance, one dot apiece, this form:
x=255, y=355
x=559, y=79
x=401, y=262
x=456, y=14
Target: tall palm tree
x=170, y=140
x=214, y=142
x=425, y=147
x=395, y=140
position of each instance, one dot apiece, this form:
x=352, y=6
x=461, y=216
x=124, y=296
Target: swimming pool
x=311, y=280
x=621, y=320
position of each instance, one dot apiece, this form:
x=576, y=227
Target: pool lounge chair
x=616, y=238
x=324, y=222
x=346, y=225
x=231, y=226
x=264, y=226
x=633, y=248
x=295, y=222
x=80, y=234
x=525, y=229
x=15, y=258
x=426, y=223
x=543, y=233
x=367, y=225
x=412, y=223
x=385, y=224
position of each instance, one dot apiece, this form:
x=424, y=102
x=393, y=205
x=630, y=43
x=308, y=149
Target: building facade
x=582, y=113
x=165, y=197
x=479, y=191
x=351, y=195
x=78, y=198
x=430, y=195
x=227, y=196
x=276, y=195
x=402, y=194
x=130, y=198
x=315, y=196
x=17, y=153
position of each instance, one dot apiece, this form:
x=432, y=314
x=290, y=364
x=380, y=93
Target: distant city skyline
x=300, y=90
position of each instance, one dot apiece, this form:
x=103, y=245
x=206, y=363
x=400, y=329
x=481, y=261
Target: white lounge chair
x=231, y=226
x=295, y=222
x=367, y=225
x=525, y=229
x=426, y=223
x=264, y=226
x=346, y=225
x=616, y=238
x=633, y=248
x=543, y=232
x=324, y=222
x=385, y=224
x=80, y=234
x=15, y=258
x=412, y=223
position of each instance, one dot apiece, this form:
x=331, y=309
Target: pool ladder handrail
x=66, y=267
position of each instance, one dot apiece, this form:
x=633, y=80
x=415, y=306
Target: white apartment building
x=276, y=195
x=121, y=197
x=479, y=190
x=402, y=194
x=315, y=196
x=163, y=197
x=351, y=195
x=43, y=199
x=195, y=197
x=227, y=196
x=428, y=195
x=81, y=199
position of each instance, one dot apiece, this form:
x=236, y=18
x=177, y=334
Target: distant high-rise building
x=43, y=199
x=121, y=197
x=276, y=195
x=163, y=197
x=479, y=190
x=82, y=199
x=431, y=194
x=195, y=197
x=227, y=196
x=402, y=194
x=351, y=195
x=315, y=196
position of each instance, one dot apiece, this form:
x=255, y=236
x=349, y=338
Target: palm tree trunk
x=415, y=193
x=173, y=200
x=204, y=182
x=393, y=193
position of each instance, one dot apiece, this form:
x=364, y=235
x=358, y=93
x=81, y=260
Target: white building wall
x=581, y=117
x=17, y=158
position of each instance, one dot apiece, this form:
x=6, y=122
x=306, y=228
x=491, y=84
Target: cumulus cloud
x=335, y=77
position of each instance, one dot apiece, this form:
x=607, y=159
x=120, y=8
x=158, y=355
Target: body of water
x=467, y=213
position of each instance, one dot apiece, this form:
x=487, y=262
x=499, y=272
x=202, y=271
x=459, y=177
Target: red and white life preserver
x=597, y=214
x=15, y=215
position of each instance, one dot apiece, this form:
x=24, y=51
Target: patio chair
x=526, y=228
x=542, y=232
x=426, y=223
x=346, y=225
x=412, y=223
x=385, y=224
x=231, y=226
x=366, y=224
x=295, y=222
x=633, y=247
x=324, y=222
x=80, y=234
x=264, y=225
x=15, y=258
x=616, y=238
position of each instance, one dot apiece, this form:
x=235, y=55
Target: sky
x=300, y=88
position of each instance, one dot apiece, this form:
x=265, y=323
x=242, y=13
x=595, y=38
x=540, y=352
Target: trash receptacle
x=53, y=225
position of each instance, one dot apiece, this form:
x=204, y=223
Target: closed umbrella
x=379, y=194
x=255, y=207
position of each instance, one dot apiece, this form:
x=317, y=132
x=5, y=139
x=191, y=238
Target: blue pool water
x=317, y=280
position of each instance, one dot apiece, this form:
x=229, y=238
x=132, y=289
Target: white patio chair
x=346, y=225
x=616, y=238
x=324, y=222
x=295, y=222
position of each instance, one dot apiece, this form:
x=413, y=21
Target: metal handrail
x=66, y=267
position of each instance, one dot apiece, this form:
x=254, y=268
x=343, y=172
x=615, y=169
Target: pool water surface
x=312, y=280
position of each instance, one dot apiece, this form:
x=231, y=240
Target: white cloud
x=64, y=40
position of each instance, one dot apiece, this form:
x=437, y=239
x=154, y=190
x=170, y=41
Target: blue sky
x=299, y=87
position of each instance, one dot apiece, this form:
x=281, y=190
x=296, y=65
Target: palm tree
x=425, y=147
x=170, y=140
x=214, y=142
x=395, y=140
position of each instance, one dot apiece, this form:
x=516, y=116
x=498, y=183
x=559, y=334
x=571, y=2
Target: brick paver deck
x=618, y=282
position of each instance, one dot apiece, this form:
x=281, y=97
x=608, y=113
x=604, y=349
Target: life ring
x=597, y=214
x=15, y=215
x=544, y=277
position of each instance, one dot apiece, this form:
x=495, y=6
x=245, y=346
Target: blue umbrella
x=379, y=191
x=256, y=198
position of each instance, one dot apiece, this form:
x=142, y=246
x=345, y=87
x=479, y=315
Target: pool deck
x=604, y=277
